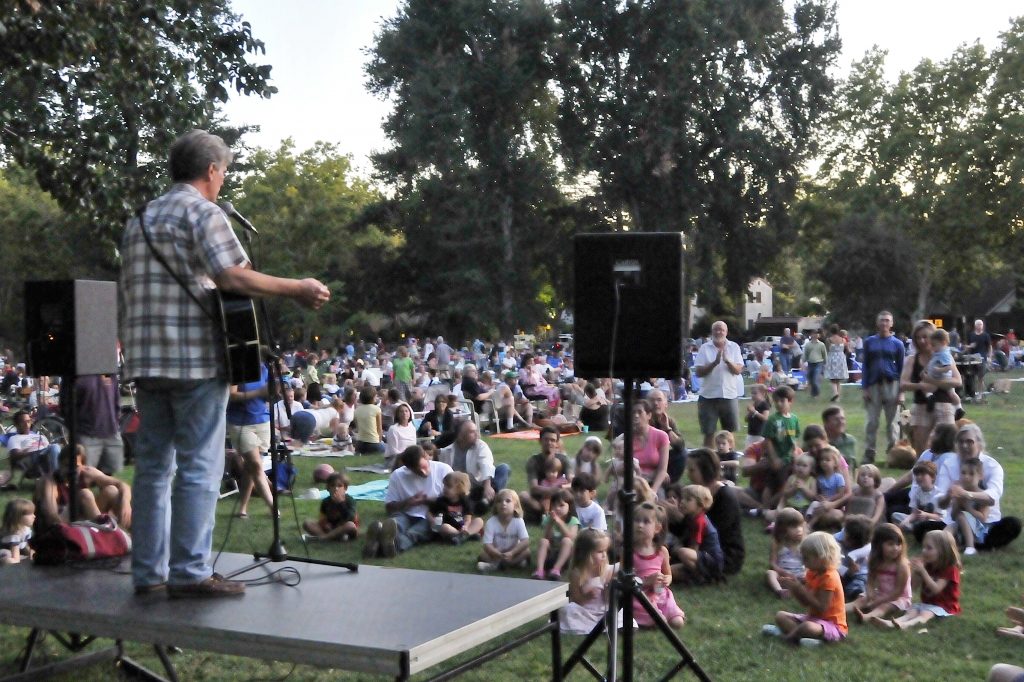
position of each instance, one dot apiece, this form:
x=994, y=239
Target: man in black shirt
x=979, y=342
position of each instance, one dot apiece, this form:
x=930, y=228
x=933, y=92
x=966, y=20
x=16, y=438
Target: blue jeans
x=179, y=460
x=814, y=377
x=46, y=460
x=412, y=531
x=501, y=474
x=498, y=482
x=786, y=360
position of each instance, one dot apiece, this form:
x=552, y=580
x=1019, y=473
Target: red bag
x=82, y=541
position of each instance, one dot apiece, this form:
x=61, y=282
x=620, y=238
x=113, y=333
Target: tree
x=39, y=242
x=305, y=205
x=93, y=92
x=471, y=161
x=869, y=269
x=922, y=148
x=695, y=117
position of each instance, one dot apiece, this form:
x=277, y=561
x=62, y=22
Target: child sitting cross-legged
x=697, y=559
x=938, y=569
x=452, y=511
x=506, y=541
x=821, y=593
x=559, y=527
x=888, y=588
x=338, y=518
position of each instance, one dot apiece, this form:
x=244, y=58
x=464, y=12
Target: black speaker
x=646, y=271
x=70, y=327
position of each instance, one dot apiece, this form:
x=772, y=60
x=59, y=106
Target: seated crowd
x=839, y=529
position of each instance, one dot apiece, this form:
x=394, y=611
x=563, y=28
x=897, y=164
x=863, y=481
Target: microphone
x=238, y=217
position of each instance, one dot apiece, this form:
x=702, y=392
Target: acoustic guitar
x=241, y=334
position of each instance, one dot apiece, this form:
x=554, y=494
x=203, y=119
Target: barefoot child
x=825, y=620
x=888, y=588
x=588, y=583
x=651, y=564
x=559, y=527
x=506, y=541
x=784, y=558
x=338, y=519
x=938, y=569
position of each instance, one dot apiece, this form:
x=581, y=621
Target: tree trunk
x=507, y=324
x=923, y=291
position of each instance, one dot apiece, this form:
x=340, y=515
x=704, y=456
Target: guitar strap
x=140, y=214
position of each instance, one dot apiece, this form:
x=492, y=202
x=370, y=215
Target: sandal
x=243, y=515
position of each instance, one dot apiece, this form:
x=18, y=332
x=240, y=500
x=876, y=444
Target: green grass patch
x=723, y=630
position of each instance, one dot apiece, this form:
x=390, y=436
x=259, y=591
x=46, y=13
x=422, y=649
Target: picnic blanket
x=370, y=469
x=373, y=490
x=319, y=449
x=531, y=434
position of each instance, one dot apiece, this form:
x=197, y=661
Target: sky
x=318, y=51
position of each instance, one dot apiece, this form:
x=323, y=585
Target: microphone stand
x=277, y=553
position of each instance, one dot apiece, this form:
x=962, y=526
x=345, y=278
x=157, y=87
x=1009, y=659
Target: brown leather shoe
x=214, y=586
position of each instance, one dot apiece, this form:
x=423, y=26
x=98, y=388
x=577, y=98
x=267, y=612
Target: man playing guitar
x=174, y=252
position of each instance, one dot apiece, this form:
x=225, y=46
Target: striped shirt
x=164, y=332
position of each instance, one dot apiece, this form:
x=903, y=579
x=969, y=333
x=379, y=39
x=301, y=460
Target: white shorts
x=250, y=437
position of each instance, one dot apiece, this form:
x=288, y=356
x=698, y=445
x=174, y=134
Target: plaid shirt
x=165, y=334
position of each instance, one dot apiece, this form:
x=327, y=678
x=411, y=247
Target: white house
x=756, y=304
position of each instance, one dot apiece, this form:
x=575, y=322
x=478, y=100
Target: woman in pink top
x=650, y=447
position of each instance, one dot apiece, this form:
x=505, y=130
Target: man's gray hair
x=975, y=431
x=192, y=153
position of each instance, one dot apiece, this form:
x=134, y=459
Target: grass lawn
x=723, y=630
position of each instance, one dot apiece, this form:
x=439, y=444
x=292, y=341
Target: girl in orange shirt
x=821, y=593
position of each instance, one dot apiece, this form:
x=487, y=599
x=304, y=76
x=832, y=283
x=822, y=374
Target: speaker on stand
x=70, y=331
x=629, y=325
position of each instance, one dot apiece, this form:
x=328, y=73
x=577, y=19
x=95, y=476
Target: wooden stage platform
x=389, y=621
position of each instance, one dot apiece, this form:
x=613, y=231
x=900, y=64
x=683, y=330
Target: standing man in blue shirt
x=883, y=363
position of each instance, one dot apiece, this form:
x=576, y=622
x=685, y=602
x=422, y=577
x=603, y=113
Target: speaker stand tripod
x=625, y=588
